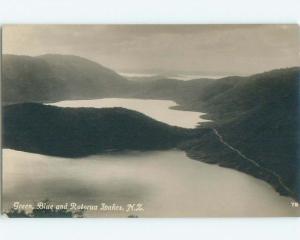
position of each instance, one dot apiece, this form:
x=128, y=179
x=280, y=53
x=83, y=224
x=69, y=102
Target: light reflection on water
x=168, y=183
x=157, y=109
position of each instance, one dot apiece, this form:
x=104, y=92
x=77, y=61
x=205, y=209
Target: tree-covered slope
x=56, y=77
x=259, y=116
x=70, y=132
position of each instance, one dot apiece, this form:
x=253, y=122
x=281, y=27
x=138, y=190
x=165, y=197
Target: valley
x=257, y=116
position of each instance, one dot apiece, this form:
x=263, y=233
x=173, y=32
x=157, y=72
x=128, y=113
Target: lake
x=180, y=76
x=158, y=109
x=167, y=183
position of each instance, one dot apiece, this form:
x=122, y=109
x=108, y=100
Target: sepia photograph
x=150, y=121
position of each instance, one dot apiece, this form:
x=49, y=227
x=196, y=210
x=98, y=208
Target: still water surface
x=158, y=109
x=167, y=183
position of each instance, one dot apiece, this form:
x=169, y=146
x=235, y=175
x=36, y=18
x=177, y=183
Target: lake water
x=167, y=183
x=183, y=77
x=157, y=109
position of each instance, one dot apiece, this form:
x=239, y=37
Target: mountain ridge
x=258, y=115
x=55, y=78
x=77, y=132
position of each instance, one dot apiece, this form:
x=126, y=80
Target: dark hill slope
x=28, y=79
x=77, y=132
x=171, y=89
x=248, y=92
x=259, y=116
x=84, y=78
x=56, y=77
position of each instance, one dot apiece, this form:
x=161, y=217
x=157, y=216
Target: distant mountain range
x=55, y=77
x=258, y=116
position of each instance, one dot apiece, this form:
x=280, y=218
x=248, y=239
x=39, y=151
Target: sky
x=202, y=49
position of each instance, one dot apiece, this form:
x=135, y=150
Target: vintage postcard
x=150, y=120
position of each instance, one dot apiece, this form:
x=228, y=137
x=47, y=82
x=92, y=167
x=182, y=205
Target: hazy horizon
x=161, y=49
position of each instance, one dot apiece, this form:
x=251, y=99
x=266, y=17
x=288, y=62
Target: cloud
x=238, y=49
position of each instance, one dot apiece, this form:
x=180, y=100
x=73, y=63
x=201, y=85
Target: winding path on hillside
x=273, y=173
